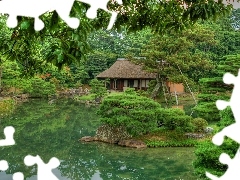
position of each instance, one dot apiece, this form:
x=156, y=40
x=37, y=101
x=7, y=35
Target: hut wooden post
x=115, y=84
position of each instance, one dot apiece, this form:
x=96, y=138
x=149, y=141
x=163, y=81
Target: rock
x=114, y=135
x=195, y=135
x=24, y=96
x=208, y=130
x=98, y=100
x=110, y=134
x=88, y=139
x=132, y=143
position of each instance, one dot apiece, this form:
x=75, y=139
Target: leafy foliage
x=141, y=115
x=6, y=107
x=174, y=119
x=213, y=89
x=98, y=88
x=41, y=88
x=175, y=57
x=208, y=154
x=136, y=113
x=60, y=45
x=97, y=62
x=199, y=124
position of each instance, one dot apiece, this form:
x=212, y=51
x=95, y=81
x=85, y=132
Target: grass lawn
x=88, y=97
x=91, y=97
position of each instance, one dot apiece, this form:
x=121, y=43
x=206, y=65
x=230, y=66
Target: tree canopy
x=60, y=45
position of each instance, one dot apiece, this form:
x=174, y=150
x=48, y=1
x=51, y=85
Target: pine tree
x=213, y=88
x=174, y=57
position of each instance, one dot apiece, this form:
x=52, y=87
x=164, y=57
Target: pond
x=53, y=131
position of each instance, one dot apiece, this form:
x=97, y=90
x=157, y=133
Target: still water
x=53, y=131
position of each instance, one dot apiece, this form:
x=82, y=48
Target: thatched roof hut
x=125, y=69
x=124, y=73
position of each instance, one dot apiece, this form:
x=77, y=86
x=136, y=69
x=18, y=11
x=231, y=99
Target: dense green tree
x=98, y=88
x=135, y=113
x=174, y=56
x=134, y=42
x=109, y=41
x=79, y=74
x=213, y=88
x=140, y=115
x=226, y=34
x=98, y=61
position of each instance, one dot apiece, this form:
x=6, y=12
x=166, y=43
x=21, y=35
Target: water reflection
x=53, y=130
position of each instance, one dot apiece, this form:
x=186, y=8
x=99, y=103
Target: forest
x=197, y=51
x=200, y=47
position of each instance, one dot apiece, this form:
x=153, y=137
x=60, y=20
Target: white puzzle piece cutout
x=36, y=8
x=18, y=176
x=8, y=141
x=232, y=172
x=8, y=132
x=3, y=165
x=231, y=131
x=44, y=170
x=100, y=4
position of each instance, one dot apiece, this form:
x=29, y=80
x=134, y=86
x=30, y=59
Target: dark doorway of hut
x=130, y=83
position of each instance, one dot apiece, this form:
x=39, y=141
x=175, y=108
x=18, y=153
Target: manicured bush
x=174, y=119
x=136, y=113
x=142, y=93
x=141, y=115
x=199, y=124
x=130, y=91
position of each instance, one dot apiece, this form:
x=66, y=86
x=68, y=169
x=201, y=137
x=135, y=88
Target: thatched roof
x=123, y=68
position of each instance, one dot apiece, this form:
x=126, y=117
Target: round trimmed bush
x=136, y=113
x=199, y=124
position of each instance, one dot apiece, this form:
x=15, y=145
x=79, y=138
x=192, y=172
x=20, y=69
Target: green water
x=53, y=131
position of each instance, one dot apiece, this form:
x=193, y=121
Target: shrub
x=171, y=143
x=130, y=91
x=208, y=154
x=37, y=87
x=136, y=113
x=142, y=93
x=174, y=119
x=140, y=115
x=6, y=107
x=208, y=157
x=199, y=124
x=98, y=88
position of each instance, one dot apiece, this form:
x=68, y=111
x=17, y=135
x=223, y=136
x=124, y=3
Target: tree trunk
x=156, y=88
x=165, y=96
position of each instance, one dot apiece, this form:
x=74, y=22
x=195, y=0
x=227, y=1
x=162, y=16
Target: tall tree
x=174, y=55
x=227, y=34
